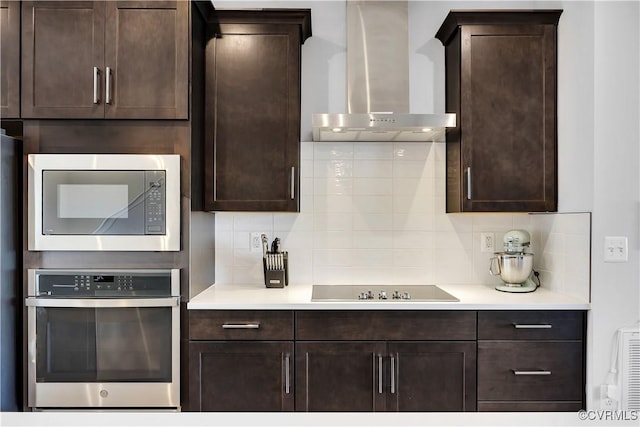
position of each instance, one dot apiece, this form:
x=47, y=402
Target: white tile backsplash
x=336, y=186
x=374, y=151
x=413, y=221
x=293, y=222
x=372, y=169
x=410, y=151
x=374, y=213
x=372, y=222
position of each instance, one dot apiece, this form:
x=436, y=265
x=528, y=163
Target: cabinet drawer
x=240, y=325
x=536, y=370
x=364, y=325
x=530, y=325
x=533, y=406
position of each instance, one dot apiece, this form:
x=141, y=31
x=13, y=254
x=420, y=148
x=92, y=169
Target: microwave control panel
x=155, y=202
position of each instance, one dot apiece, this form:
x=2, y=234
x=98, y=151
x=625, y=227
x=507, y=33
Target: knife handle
x=265, y=244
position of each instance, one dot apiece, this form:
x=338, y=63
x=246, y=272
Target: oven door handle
x=102, y=302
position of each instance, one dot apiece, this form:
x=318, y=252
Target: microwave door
x=77, y=202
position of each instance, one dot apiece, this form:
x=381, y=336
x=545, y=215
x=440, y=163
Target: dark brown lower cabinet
x=432, y=376
x=529, y=371
x=340, y=376
x=531, y=361
x=241, y=376
x=377, y=376
x=386, y=360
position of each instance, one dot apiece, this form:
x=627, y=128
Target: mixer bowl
x=512, y=268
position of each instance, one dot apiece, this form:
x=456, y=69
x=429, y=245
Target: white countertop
x=298, y=297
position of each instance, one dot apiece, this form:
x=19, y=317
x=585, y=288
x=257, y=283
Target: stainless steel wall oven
x=103, y=338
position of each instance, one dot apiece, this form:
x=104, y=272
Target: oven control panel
x=78, y=284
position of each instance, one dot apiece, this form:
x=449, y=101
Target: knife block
x=276, y=277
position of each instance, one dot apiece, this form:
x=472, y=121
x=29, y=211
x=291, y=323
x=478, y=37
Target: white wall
x=598, y=156
x=616, y=181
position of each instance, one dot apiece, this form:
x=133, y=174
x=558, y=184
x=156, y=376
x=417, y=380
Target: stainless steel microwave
x=104, y=202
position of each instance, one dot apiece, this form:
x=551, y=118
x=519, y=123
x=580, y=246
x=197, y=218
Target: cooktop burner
x=380, y=293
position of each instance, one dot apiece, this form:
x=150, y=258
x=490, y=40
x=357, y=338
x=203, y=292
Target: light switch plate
x=616, y=249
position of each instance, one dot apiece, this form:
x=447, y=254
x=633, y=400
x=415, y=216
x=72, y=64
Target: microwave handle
x=102, y=302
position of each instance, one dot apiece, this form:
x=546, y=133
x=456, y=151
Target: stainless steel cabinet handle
x=534, y=326
x=516, y=372
x=108, y=86
x=293, y=182
x=96, y=85
x=286, y=374
x=393, y=374
x=469, y=183
x=241, y=326
x=101, y=302
x=379, y=374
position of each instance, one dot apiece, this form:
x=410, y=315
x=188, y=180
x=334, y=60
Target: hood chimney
x=378, y=81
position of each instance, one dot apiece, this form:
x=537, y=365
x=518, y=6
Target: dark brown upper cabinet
x=9, y=59
x=105, y=59
x=252, y=106
x=501, y=83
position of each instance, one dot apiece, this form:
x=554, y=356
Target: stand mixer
x=514, y=265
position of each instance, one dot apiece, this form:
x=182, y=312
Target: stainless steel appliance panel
x=105, y=202
x=101, y=350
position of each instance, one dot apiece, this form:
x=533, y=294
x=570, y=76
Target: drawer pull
x=515, y=372
x=241, y=326
x=538, y=326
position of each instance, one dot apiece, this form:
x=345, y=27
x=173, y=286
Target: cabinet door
x=9, y=59
x=147, y=59
x=340, y=376
x=241, y=376
x=62, y=57
x=252, y=137
x=508, y=118
x=432, y=376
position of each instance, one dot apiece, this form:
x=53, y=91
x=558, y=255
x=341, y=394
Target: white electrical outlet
x=616, y=249
x=487, y=242
x=256, y=241
x=608, y=397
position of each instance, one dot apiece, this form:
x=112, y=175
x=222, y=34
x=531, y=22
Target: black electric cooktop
x=380, y=293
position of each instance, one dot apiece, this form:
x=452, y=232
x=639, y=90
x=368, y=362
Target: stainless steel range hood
x=378, y=81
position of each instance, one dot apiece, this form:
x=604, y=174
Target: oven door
x=109, y=353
